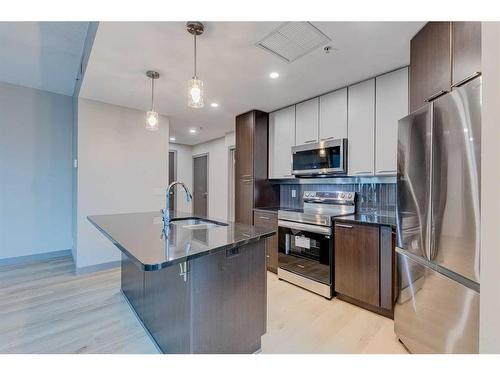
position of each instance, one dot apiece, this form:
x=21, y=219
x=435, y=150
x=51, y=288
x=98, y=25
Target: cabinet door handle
x=344, y=226
x=471, y=77
x=264, y=218
x=311, y=141
x=435, y=95
x=246, y=180
x=326, y=139
x=246, y=175
x=387, y=171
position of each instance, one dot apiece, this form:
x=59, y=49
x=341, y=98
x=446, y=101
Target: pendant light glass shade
x=152, y=121
x=195, y=93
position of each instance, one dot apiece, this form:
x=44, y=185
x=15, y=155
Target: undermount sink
x=196, y=223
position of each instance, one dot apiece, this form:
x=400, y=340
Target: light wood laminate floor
x=46, y=308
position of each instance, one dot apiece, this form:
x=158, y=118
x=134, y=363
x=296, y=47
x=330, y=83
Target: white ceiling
x=234, y=70
x=42, y=55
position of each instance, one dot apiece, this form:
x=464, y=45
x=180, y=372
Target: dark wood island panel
x=212, y=304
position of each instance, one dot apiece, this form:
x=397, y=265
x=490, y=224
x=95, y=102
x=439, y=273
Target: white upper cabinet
x=392, y=105
x=281, y=140
x=307, y=122
x=361, y=129
x=333, y=115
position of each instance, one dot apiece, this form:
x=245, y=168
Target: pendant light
x=195, y=85
x=152, y=115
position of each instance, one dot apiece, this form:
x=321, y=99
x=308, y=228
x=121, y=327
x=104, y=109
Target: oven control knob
x=342, y=196
x=350, y=196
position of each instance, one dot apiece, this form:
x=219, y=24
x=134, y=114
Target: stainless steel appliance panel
x=414, y=181
x=320, y=158
x=456, y=158
x=434, y=313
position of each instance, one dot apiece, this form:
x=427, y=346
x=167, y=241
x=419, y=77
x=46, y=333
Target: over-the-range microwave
x=320, y=159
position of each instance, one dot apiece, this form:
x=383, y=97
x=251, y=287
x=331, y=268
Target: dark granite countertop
x=387, y=219
x=139, y=236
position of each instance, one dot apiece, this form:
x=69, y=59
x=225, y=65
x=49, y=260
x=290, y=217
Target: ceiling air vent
x=293, y=40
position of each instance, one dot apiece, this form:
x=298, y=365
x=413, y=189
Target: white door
x=281, y=140
x=333, y=115
x=361, y=129
x=307, y=122
x=392, y=105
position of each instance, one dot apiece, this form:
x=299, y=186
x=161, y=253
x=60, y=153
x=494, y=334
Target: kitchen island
x=198, y=286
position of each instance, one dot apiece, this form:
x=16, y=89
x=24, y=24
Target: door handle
x=465, y=80
x=435, y=95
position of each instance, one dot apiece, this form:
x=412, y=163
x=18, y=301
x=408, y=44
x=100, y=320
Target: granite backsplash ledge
x=370, y=197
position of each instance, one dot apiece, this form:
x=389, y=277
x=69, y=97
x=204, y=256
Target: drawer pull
x=311, y=141
x=264, y=218
x=435, y=96
x=465, y=80
x=326, y=139
x=344, y=226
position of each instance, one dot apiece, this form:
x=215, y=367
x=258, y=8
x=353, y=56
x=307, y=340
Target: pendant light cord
x=195, y=56
x=152, y=93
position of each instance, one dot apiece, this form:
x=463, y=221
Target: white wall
x=490, y=201
x=218, y=160
x=35, y=171
x=184, y=174
x=121, y=168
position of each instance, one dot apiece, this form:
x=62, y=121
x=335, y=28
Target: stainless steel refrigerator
x=438, y=224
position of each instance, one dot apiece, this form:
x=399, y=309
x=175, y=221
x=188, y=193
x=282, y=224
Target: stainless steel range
x=305, y=256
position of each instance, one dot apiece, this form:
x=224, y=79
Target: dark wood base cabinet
x=216, y=303
x=269, y=219
x=364, y=266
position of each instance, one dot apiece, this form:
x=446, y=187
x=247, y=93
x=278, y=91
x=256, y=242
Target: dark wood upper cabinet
x=442, y=55
x=245, y=125
x=430, y=63
x=357, y=262
x=466, y=39
x=252, y=186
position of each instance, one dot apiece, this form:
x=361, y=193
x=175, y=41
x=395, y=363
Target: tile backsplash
x=369, y=196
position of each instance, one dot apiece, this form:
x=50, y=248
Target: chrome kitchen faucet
x=166, y=211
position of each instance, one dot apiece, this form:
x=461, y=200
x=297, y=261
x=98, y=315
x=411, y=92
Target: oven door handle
x=305, y=227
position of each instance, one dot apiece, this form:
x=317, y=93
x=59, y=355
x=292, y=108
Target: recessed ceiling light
x=214, y=105
x=192, y=131
x=274, y=75
x=172, y=139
